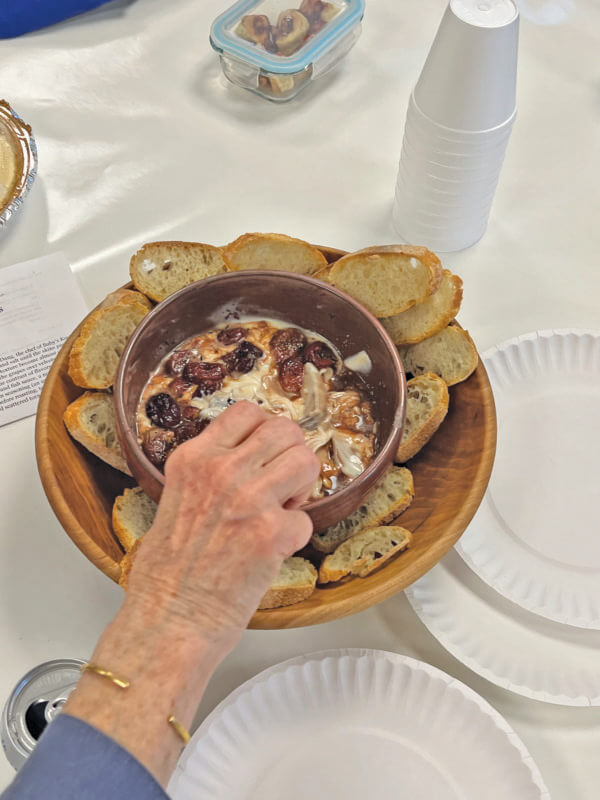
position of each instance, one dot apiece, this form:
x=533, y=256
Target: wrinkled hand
x=228, y=517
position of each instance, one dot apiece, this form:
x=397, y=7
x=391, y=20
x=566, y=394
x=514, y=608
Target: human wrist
x=201, y=615
x=145, y=642
x=166, y=667
x=163, y=661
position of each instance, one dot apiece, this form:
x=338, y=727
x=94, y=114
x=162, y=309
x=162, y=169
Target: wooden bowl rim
x=56, y=498
x=381, y=585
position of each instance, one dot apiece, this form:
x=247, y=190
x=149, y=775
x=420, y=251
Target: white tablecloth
x=140, y=138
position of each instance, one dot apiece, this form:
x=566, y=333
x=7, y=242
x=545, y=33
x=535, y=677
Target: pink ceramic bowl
x=297, y=299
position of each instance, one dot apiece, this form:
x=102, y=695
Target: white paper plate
x=536, y=536
x=355, y=724
x=504, y=643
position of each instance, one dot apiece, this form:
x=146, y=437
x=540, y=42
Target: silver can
x=34, y=702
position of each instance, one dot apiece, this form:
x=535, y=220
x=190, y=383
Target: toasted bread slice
x=387, y=500
x=274, y=251
x=450, y=354
x=96, y=351
x=386, y=280
x=118, y=294
x=127, y=563
x=430, y=316
x=91, y=421
x=160, y=268
x=365, y=552
x=295, y=582
x=132, y=516
x=427, y=402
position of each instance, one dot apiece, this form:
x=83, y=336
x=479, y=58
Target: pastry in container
x=275, y=48
x=18, y=161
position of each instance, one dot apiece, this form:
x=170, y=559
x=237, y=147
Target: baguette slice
x=274, y=251
x=364, y=553
x=127, y=563
x=132, y=516
x=427, y=318
x=427, y=402
x=96, y=351
x=387, y=500
x=118, y=294
x=91, y=421
x=386, y=280
x=296, y=581
x=160, y=268
x=450, y=354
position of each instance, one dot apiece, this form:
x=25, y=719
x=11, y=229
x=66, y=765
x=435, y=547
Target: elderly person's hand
x=228, y=517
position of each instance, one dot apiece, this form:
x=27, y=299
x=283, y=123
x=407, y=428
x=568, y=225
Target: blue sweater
x=73, y=761
x=22, y=16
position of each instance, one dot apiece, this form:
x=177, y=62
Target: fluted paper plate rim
x=326, y=667
x=559, y=593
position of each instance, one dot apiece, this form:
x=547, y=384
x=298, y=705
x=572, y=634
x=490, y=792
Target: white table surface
x=141, y=138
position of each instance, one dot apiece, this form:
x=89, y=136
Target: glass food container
x=275, y=50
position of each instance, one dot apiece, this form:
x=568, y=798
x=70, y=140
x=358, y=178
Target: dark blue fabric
x=73, y=761
x=21, y=16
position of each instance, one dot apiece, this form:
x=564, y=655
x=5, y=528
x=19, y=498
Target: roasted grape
x=163, y=410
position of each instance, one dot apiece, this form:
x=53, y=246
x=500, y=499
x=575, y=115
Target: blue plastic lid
x=224, y=39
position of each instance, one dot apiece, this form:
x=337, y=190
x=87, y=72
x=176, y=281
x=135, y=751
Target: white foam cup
x=468, y=81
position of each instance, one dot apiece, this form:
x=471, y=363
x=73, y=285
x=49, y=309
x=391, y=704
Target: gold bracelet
x=123, y=683
x=181, y=730
x=105, y=673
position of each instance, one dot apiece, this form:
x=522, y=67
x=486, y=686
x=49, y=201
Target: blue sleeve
x=74, y=761
x=22, y=16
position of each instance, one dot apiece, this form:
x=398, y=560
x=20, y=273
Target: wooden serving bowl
x=450, y=474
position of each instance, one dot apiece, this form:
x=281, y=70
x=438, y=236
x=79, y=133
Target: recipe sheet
x=40, y=304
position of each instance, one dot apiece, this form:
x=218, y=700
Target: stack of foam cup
x=460, y=117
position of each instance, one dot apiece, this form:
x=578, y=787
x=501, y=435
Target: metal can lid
x=34, y=702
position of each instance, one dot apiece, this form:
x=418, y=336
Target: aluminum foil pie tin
x=18, y=161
